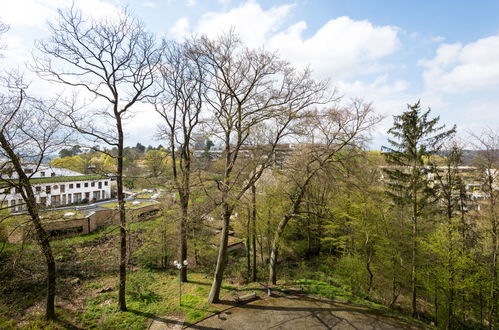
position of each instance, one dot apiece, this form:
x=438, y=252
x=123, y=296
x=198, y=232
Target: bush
x=351, y=271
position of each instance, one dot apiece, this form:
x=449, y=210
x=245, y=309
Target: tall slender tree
x=246, y=90
x=180, y=107
x=26, y=133
x=487, y=161
x=333, y=131
x=415, y=137
x=114, y=62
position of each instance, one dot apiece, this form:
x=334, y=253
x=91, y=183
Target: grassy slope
x=150, y=293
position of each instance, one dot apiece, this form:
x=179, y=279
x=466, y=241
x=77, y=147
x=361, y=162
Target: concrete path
x=166, y=323
x=303, y=313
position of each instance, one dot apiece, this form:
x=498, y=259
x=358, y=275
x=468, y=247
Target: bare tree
x=27, y=135
x=334, y=134
x=180, y=107
x=487, y=161
x=114, y=61
x=3, y=29
x=246, y=90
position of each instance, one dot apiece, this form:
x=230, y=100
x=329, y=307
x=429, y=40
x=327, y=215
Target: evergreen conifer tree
x=415, y=137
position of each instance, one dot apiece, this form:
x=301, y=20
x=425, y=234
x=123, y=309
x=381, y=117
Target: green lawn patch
x=128, y=205
x=49, y=216
x=143, y=196
x=150, y=293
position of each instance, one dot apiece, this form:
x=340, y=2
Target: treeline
x=409, y=227
x=144, y=167
x=382, y=223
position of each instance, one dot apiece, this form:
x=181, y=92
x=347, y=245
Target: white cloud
x=438, y=39
x=457, y=68
x=191, y=3
x=149, y=4
x=251, y=22
x=341, y=48
x=180, y=29
x=388, y=98
x=26, y=13
x=35, y=13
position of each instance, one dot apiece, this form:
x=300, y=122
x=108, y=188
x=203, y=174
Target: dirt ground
x=300, y=312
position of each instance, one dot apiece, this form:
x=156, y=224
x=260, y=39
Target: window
x=28, y=171
x=100, y=185
x=47, y=189
x=86, y=184
x=63, y=188
x=92, y=184
x=42, y=173
x=105, y=183
x=78, y=185
x=55, y=187
x=38, y=189
x=71, y=186
x=52, y=174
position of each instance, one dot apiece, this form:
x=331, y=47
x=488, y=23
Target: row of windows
x=62, y=187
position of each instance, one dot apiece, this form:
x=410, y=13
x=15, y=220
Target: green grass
x=144, y=196
x=109, y=230
x=149, y=294
x=49, y=216
x=128, y=205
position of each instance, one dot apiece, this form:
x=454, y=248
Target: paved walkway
x=303, y=313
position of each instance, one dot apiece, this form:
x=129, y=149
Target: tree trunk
x=122, y=213
x=253, y=230
x=182, y=253
x=214, y=296
x=248, y=244
x=41, y=234
x=494, y=294
x=414, y=251
x=368, y=268
x=282, y=224
x=435, y=302
x=394, y=284
x=49, y=259
x=413, y=270
x=275, y=246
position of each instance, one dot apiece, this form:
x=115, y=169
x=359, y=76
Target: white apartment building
x=55, y=187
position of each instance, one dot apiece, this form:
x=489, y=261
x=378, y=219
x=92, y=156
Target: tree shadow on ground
x=329, y=316
x=164, y=320
x=66, y=324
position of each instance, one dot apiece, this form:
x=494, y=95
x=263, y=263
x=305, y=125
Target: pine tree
x=415, y=137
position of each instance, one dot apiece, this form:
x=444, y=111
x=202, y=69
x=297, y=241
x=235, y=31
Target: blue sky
x=391, y=53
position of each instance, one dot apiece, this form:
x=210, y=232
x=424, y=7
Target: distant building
x=470, y=175
x=53, y=187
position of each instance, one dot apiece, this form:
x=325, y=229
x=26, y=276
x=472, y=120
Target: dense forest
x=251, y=151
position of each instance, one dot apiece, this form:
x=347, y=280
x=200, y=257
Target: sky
x=391, y=53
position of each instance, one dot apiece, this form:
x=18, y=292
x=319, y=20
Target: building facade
x=55, y=187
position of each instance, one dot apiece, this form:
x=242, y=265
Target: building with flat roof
x=53, y=187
